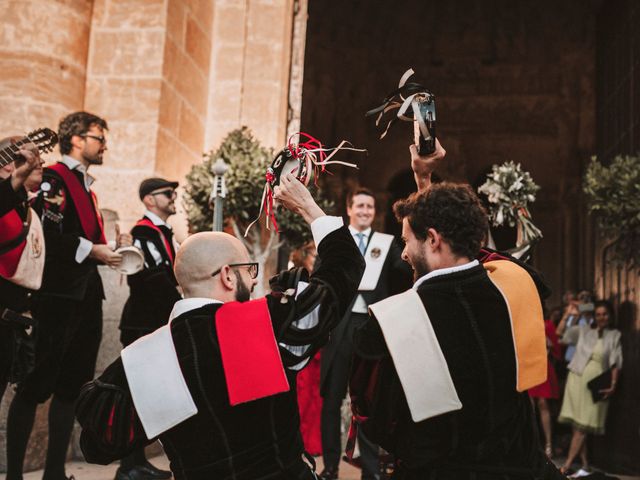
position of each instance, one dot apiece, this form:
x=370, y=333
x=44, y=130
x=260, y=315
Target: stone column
x=43, y=54
x=251, y=63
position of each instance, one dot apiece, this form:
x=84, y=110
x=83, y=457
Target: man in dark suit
x=385, y=275
x=68, y=307
x=153, y=292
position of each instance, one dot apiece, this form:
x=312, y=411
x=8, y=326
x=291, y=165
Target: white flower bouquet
x=510, y=190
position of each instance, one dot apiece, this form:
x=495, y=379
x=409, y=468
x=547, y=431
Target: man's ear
x=227, y=278
x=434, y=239
x=76, y=141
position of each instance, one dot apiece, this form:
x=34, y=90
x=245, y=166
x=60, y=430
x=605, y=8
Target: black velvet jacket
x=153, y=290
x=495, y=431
x=258, y=439
x=63, y=276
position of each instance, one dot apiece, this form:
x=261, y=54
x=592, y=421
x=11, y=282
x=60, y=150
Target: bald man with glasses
x=217, y=384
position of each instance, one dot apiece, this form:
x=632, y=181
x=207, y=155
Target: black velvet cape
x=258, y=439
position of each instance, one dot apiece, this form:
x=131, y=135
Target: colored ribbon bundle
x=414, y=104
x=306, y=159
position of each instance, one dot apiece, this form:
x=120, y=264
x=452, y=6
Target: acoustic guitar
x=43, y=138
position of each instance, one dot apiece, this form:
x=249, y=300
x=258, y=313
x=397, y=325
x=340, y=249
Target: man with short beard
x=217, y=384
x=68, y=306
x=441, y=370
x=153, y=292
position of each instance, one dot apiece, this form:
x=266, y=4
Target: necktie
x=168, y=234
x=361, y=244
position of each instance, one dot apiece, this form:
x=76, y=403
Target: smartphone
x=586, y=307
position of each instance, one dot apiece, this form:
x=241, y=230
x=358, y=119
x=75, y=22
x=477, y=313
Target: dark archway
x=513, y=80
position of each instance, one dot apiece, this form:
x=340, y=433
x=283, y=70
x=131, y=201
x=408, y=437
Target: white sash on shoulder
x=158, y=388
x=374, y=257
x=30, y=267
x=416, y=355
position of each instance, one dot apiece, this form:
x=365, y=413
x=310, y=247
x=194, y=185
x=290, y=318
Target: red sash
x=250, y=356
x=12, y=236
x=90, y=217
x=145, y=222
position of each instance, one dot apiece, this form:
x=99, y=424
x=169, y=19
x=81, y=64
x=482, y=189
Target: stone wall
x=619, y=134
x=171, y=77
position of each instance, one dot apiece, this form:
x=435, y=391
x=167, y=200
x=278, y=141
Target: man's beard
x=420, y=267
x=243, y=294
x=93, y=159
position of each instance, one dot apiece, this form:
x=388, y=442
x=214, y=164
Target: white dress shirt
x=84, y=247
x=360, y=306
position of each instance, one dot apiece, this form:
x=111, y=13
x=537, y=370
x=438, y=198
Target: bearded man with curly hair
x=441, y=371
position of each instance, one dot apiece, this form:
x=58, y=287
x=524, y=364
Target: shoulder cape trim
x=527, y=323
x=158, y=388
x=145, y=222
x=417, y=356
x=86, y=205
x=374, y=257
x=251, y=358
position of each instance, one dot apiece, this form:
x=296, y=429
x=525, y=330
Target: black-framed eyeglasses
x=100, y=138
x=170, y=194
x=252, y=266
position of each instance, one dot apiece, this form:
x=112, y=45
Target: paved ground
x=84, y=471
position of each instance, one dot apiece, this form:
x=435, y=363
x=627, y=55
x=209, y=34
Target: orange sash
x=527, y=322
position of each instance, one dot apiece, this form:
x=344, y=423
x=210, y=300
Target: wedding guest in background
x=598, y=349
x=309, y=399
x=549, y=389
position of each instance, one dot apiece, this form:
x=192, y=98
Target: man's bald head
x=202, y=254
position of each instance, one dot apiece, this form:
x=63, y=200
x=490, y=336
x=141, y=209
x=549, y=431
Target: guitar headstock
x=44, y=138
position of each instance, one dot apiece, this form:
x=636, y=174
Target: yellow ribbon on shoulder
x=527, y=321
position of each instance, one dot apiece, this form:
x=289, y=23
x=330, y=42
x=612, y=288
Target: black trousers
x=335, y=390
x=67, y=341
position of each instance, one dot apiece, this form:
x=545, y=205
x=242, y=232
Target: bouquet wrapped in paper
x=510, y=190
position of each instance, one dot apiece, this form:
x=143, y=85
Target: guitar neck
x=10, y=153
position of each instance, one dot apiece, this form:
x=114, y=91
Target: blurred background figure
x=548, y=390
x=309, y=399
x=597, y=350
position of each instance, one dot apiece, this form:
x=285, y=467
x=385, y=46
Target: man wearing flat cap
x=152, y=292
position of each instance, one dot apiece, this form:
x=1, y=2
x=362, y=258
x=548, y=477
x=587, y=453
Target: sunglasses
x=170, y=194
x=100, y=138
x=252, y=266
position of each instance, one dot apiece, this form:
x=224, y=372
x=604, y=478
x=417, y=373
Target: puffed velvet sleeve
x=111, y=428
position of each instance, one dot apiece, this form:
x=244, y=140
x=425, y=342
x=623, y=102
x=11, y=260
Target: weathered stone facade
x=171, y=77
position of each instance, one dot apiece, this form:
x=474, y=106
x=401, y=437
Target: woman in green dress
x=598, y=349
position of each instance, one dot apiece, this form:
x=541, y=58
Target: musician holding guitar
x=17, y=261
x=68, y=306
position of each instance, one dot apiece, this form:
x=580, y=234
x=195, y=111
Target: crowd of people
x=583, y=346
x=440, y=343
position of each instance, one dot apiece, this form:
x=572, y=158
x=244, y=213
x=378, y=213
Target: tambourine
x=132, y=260
x=306, y=158
x=286, y=162
x=414, y=104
